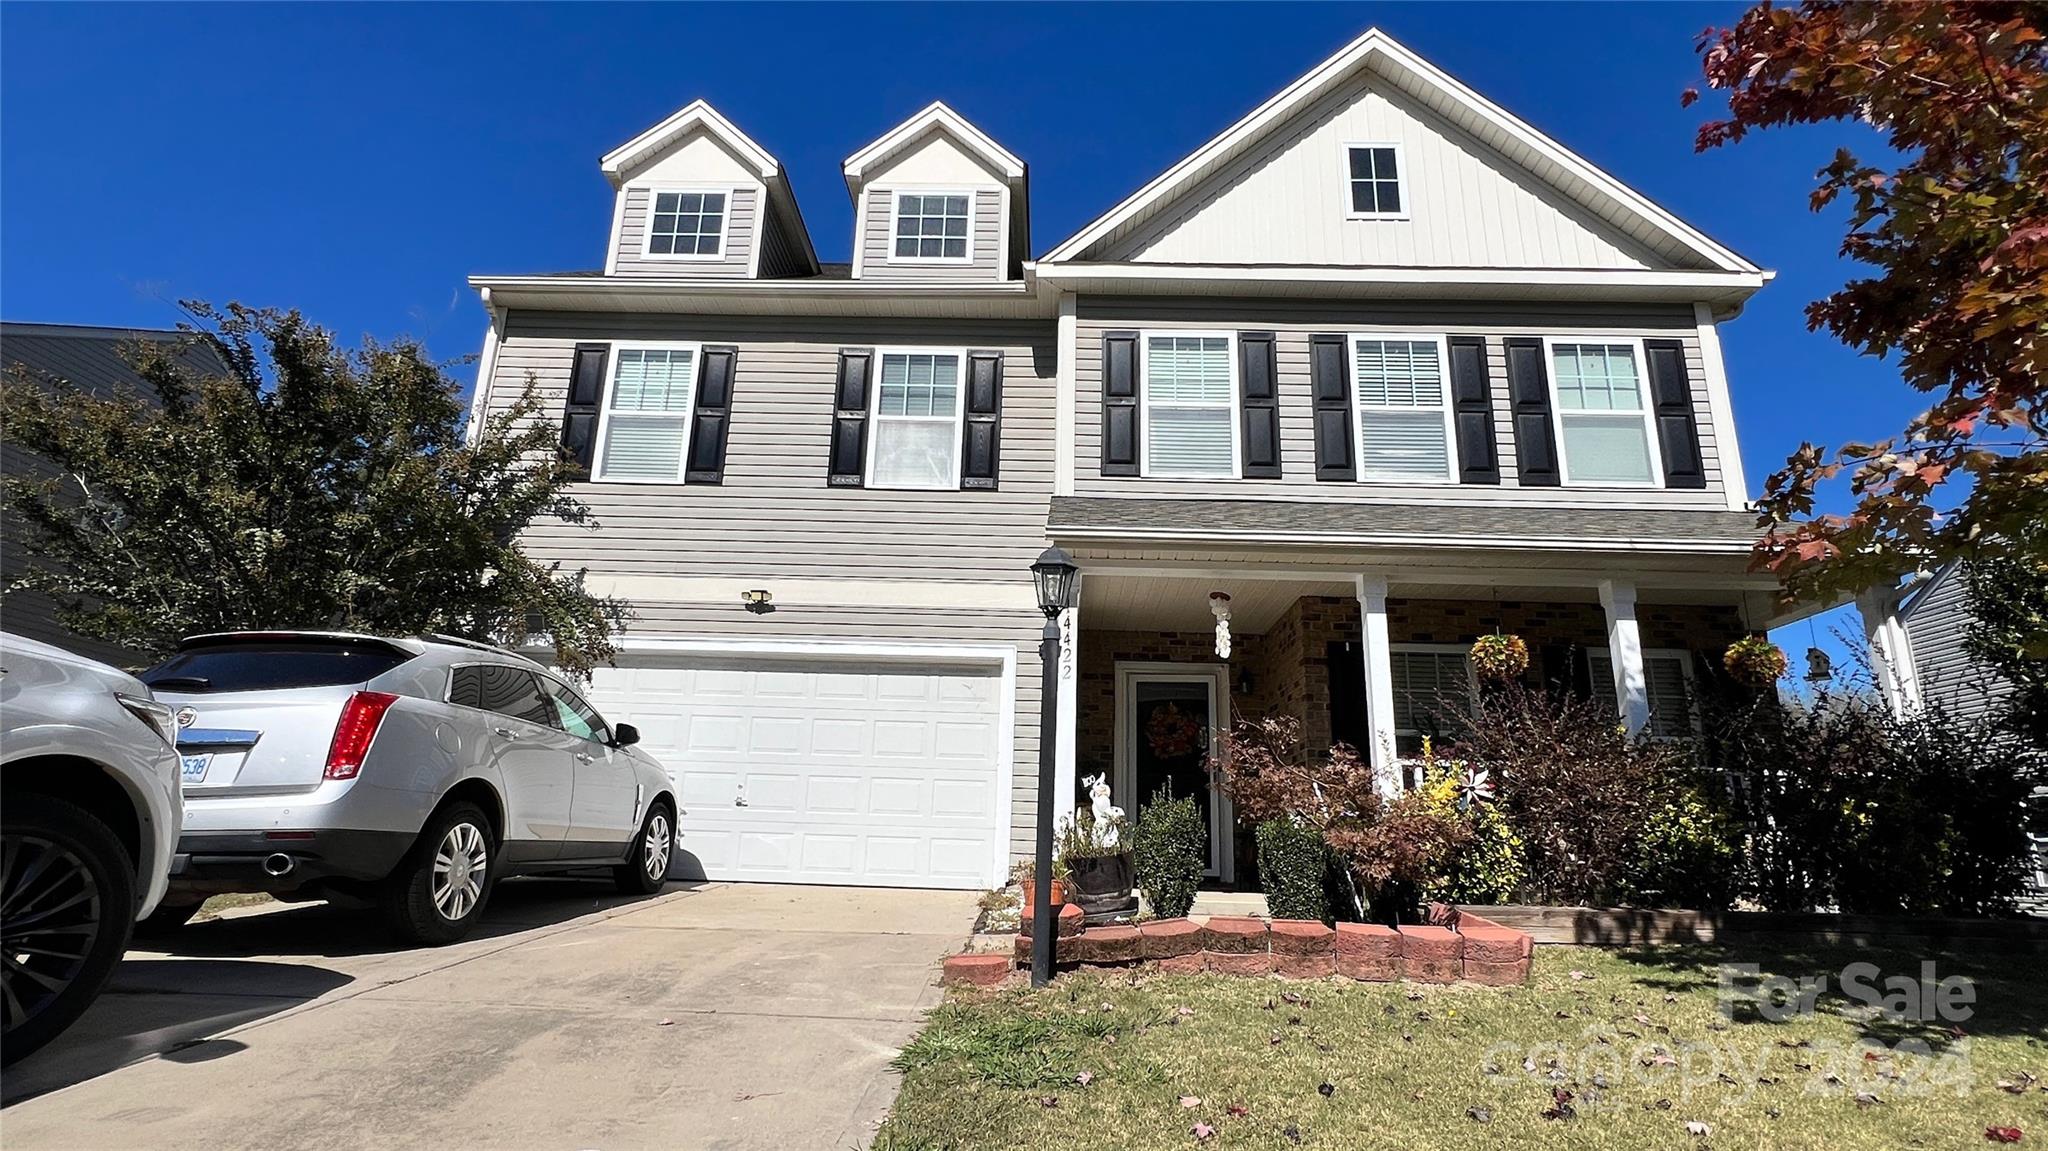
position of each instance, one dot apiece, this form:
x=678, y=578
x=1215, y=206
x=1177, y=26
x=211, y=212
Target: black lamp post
x=1054, y=573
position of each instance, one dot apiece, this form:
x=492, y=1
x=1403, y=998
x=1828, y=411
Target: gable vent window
x=931, y=227
x=1603, y=420
x=916, y=440
x=1376, y=192
x=1190, y=401
x=1404, y=419
x=646, y=424
x=687, y=224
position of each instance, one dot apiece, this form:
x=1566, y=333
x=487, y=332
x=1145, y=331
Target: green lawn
x=1637, y=1038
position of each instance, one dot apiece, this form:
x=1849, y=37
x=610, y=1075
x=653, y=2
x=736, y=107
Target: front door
x=1168, y=723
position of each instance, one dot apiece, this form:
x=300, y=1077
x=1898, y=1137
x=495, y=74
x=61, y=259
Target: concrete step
x=1230, y=903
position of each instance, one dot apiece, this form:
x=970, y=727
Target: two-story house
x=1377, y=370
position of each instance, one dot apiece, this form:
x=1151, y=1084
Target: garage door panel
x=850, y=773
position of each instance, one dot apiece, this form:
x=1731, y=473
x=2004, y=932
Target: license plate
x=194, y=768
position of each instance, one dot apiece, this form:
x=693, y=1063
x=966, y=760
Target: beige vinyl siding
x=1295, y=322
x=773, y=515
x=1937, y=622
x=740, y=221
x=1287, y=201
x=987, y=255
x=887, y=625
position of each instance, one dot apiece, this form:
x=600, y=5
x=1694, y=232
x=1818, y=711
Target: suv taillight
x=352, y=735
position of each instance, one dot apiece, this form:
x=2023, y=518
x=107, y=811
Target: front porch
x=1370, y=658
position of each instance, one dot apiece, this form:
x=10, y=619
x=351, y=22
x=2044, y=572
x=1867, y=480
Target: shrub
x=1170, y=849
x=1684, y=857
x=1294, y=871
x=1489, y=867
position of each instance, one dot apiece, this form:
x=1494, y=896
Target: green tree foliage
x=1954, y=227
x=1170, y=849
x=309, y=487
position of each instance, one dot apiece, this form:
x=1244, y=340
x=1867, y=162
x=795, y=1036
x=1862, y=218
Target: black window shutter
x=1529, y=388
x=847, y=467
x=586, y=400
x=1472, y=411
x=1258, y=384
x=1120, y=404
x=1677, y=431
x=1329, y=380
x=713, y=416
x=982, y=430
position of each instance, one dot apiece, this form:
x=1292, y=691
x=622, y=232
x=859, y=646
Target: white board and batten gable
x=696, y=198
x=937, y=200
x=1477, y=195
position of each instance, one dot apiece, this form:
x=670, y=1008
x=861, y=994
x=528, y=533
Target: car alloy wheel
x=49, y=921
x=654, y=853
x=461, y=864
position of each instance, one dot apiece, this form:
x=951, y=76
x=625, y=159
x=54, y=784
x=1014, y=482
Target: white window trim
x=647, y=251
x=896, y=194
x=604, y=415
x=1684, y=658
x=1359, y=408
x=1648, y=414
x=875, y=417
x=1145, y=339
x=1463, y=649
x=1400, y=180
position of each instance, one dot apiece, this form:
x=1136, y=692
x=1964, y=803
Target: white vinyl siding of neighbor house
x=773, y=523
x=742, y=216
x=1294, y=322
x=877, y=231
x=1288, y=201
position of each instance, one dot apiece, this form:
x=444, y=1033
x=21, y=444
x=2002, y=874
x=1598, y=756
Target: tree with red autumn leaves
x=1954, y=225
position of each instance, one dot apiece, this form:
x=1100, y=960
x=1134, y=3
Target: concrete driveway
x=715, y=1016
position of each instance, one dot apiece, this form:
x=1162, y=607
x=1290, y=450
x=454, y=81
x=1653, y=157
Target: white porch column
x=1069, y=668
x=1891, y=656
x=1625, y=652
x=1379, y=683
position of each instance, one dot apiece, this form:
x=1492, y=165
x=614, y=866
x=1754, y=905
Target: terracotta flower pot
x=1059, y=892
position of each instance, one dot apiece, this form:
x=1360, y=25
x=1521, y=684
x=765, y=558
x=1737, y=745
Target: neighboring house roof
x=91, y=357
x=1608, y=198
x=1451, y=525
x=619, y=163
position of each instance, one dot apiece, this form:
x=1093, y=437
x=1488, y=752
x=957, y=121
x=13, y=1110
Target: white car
x=89, y=816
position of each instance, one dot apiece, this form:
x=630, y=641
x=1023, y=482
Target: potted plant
x=1025, y=875
x=1499, y=658
x=1755, y=661
x=1095, y=848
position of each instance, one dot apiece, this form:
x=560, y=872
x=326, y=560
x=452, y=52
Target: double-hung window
x=1667, y=674
x=915, y=440
x=644, y=433
x=1432, y=693
x=1376, y=192
x=1190, y=404
x=1603, y=412
x=688, y=224
x=1404, y=414
x=933, y=226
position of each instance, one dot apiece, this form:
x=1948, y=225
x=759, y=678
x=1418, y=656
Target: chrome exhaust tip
x=279, y=865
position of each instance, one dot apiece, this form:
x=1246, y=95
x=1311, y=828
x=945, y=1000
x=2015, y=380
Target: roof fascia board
x=696, y=114
x=935, y=115
x=1318, y=80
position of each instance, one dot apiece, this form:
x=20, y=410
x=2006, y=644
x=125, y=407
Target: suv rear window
x=272, y=665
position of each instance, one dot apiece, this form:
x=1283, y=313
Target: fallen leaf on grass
x=1560, y=1105
x=1202, y=1132
x=1085, y=1078
x=1292, y=1133
x=1866, y=1099
x=1048, y=1101
x=1579, y=975
x=1326, y=1089
x=1184, y=1012
x=1191, y=1101
x=1697, y=1128
x=2011, y=1088
x=1237, y=1110
x=2002, y=1134
x=1479, y=1115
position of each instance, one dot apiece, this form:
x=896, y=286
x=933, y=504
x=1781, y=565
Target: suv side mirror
x=625, y=735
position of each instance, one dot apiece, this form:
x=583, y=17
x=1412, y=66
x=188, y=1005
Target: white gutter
x=1409, y=539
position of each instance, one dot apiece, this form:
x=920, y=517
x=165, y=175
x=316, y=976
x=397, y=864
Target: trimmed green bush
x=1685, y=858
x=1294, y=871
x=1170, y=848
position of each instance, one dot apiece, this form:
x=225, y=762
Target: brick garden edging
x=1470, y=948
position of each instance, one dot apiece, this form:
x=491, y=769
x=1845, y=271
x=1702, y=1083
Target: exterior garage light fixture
x=1054, y=574
x=758, y=601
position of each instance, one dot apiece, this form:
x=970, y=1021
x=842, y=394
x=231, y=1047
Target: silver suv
x=411, y=774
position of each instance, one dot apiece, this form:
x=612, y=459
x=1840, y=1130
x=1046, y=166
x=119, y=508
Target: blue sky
x=359, y=161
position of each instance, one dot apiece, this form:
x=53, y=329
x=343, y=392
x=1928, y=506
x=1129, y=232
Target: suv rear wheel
x=651, y=851
x=439, y=889
x=67, y=902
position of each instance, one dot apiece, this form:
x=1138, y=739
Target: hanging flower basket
x=1755, y=661
x=1500, y=658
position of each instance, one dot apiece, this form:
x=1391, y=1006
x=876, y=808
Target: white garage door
x=817, y=771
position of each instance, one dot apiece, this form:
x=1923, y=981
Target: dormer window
x=1376, y=188
x=932, y=226
x=687, y=224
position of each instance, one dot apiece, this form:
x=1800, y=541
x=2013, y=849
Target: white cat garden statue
x=1107, y=818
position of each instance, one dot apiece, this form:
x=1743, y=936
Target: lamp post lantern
x=1054, y=574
